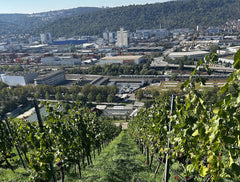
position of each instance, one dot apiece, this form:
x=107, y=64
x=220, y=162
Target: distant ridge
x=23, y=23
x=93, y=21
x=172, y=14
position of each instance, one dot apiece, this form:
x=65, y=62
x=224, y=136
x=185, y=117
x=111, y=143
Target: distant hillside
x=22, y=23
x=173, y=14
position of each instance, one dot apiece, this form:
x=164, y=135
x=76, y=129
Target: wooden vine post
x=40, y=123
x=166, y=171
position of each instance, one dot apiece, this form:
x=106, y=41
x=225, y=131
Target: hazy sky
x=34, y=6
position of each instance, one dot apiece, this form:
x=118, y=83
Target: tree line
x=117, y=69
x=12, y=97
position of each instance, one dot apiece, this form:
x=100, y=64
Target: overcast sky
x=34, y=6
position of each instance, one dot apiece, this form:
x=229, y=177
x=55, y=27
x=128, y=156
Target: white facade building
x=122, y=38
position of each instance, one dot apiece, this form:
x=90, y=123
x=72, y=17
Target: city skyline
x=30, y=6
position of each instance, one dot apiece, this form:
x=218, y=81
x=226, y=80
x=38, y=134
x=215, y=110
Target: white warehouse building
x=18, y=79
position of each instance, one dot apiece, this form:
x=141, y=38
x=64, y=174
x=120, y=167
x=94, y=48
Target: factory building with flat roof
x=121, y=60
x=50, y=79
x=193, y=54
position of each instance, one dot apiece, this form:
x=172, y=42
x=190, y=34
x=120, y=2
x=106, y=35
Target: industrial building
x=193, y=54
x=70, y=42
x=60, y=61
x=118, y=111
x=54, y=78
x=121, y=60
x=14, y=79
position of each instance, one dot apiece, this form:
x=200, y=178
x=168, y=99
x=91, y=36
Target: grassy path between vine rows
x=121, y=161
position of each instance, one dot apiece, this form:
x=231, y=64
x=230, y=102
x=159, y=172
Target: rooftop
x=188, y=53
x=50, y=74
x=122, y=57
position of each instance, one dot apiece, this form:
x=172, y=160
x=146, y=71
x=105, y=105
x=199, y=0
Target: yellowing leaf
x=216, y=110
x=203, y=171
x=230, y=158
x=195, y=133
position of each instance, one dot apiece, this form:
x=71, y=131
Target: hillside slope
x=22, y=23
x=173, y=14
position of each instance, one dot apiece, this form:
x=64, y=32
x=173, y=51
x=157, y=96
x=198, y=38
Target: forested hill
x=173, y=14
x=22, y=23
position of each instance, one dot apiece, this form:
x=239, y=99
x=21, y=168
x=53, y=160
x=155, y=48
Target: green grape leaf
x=185, y=84
x=237, y=60
x=190, y=168
x=235, y=169
x=224, y=88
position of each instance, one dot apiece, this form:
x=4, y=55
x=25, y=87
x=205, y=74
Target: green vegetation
x=199, y=132
x=15, y=96
x=181, y=61
x=22, y=23
x=118, y=69
x=11, y=68
x=174, y=14
x=93, y=21
x=99, y=94
x=7, y=175
x=120, y=161
x=47, y=150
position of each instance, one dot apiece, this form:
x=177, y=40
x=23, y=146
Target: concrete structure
x=50, y=79
x=193, y=54
x=121, y=60
x=112, y=37
x=106, y=36
x=109, y=37
x=46, y=38
x=122, y=38
x=15, y=79
x=118, y=111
